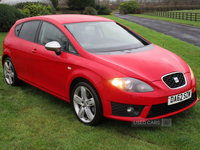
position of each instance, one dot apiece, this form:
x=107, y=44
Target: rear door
x=22, y=47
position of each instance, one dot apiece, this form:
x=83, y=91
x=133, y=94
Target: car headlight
x=131, y=85
x=192, y=74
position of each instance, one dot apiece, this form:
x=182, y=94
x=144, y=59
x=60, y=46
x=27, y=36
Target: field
x=33, y=119
x=151, y=16
x=188, y=11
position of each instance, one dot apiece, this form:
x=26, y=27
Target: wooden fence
x=179, y=15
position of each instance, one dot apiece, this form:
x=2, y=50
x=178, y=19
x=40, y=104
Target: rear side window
x=28, y=30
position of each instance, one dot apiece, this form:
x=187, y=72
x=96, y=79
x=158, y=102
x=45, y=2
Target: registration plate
x=179, y=98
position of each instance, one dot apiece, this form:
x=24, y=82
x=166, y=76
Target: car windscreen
x=97, y=37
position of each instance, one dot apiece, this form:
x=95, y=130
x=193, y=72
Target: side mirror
x=53, y=46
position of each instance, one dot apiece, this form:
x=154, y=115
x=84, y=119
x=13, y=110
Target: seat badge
x=176, y=80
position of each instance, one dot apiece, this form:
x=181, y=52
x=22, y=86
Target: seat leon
x=103, y=68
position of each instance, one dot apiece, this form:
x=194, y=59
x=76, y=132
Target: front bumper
x=147, y=106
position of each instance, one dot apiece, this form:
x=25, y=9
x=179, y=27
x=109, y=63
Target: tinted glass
x=17, y=29
x=28, y=30
x=103, y=36
x=50, y=33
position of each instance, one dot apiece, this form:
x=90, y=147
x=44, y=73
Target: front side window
x=50, y=33
x=28, y=30
x=97, y=37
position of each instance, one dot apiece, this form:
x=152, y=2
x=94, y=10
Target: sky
x=18, y=1
x=12, y=2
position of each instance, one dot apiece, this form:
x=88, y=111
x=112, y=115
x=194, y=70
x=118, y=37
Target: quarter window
x=17, y=29
x=28, y=30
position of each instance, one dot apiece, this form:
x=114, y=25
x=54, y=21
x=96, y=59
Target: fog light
x=130, y=109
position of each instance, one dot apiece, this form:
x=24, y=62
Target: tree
x=167, y=2
x=80, y=4
x=54, y=3
x=176, y=2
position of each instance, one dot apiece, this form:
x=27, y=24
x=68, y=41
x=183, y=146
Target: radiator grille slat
x=163, y=109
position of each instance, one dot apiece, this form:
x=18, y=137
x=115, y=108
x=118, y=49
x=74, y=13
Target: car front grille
x=174, y=80
x=119, y=109
x=163, y=109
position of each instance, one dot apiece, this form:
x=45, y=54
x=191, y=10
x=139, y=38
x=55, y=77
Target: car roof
x=67, y=18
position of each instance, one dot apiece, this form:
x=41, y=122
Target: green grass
x=188, y=11
x=187, y=22
x=2, y=36
x=32, y=119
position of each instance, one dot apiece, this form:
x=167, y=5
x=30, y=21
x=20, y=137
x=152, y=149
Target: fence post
x=195, y=17
x=190, y=16
x=186, y=16
x=183, y=16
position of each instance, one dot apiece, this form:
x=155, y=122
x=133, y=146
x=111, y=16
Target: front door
x=49, y=70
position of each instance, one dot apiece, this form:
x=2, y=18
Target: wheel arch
x=3, y=58
x=7, y=53
x=81, y=79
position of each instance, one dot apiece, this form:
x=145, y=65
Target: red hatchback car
x=103, y=68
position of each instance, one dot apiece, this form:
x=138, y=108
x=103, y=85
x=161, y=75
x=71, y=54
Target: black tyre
x=9, y=72
x=87, y=104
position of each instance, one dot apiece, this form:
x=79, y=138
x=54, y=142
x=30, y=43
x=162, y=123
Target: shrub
x=31, y=10
x=54, y=3
x=97, y=7
x=80, y=4
x=8, y=16
x=103, y=10
x=129, y=7
x=22, y=4
x=92, y=4
x=90, y=11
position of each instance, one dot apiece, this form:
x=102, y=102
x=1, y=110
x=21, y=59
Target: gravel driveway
x=185, y=33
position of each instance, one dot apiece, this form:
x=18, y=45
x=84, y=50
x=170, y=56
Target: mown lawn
x=187, y=22
x=32, y=119
x=188, y=11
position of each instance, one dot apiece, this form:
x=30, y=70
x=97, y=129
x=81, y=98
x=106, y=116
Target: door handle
x=34, y=50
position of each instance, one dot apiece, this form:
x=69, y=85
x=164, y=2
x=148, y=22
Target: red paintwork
x=48, y=71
